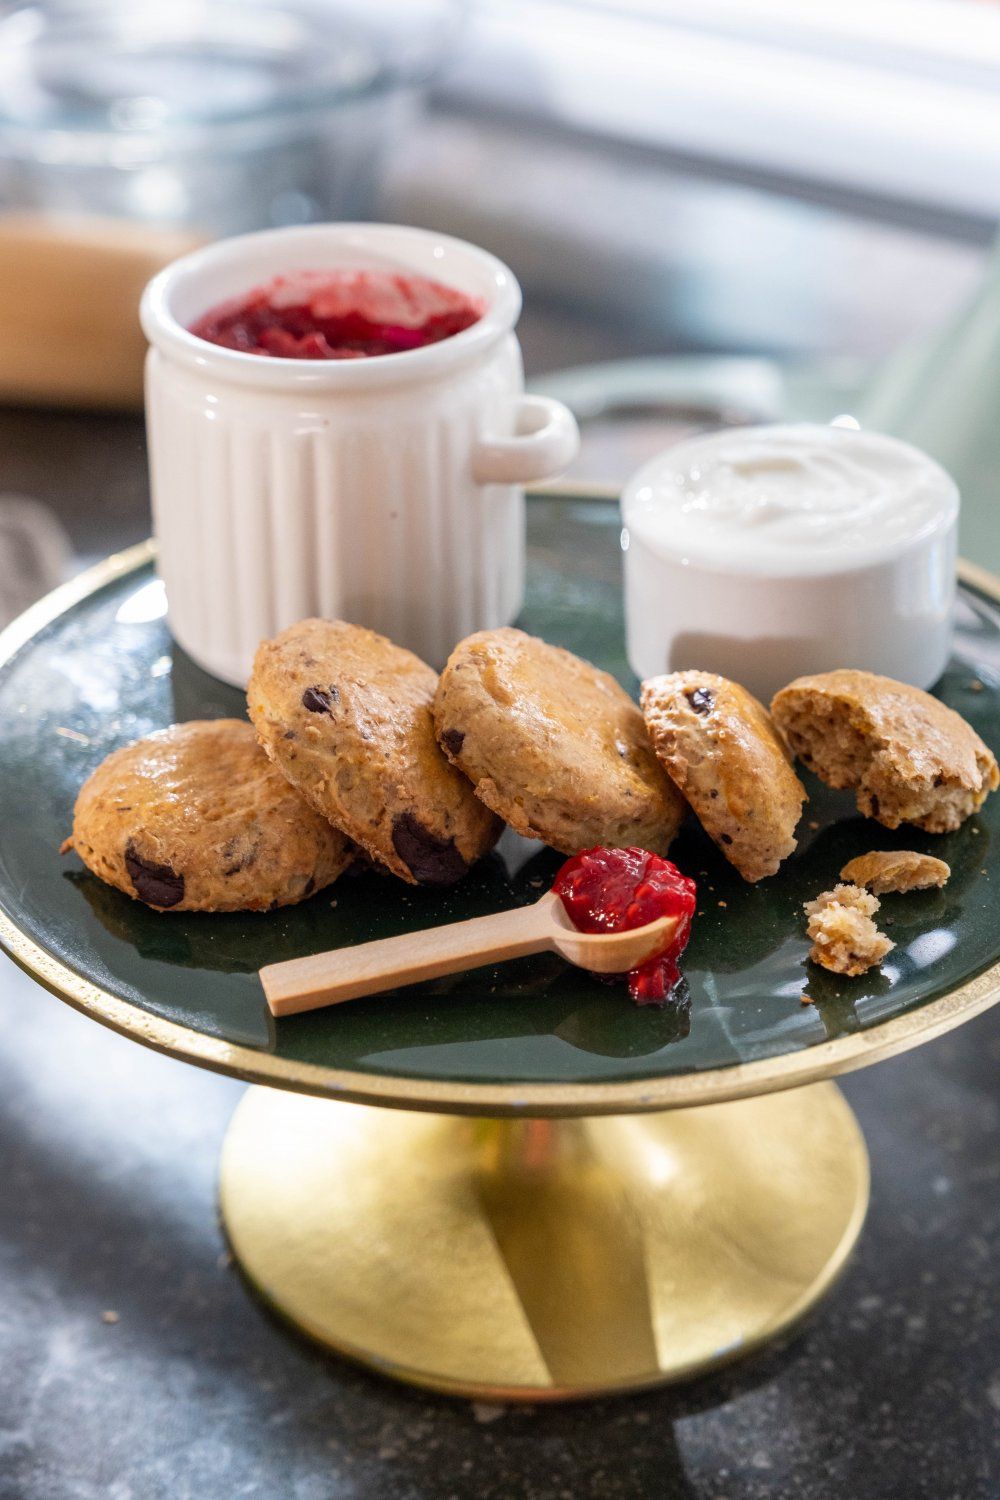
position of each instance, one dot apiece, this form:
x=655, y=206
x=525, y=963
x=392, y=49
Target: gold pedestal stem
x=544, y=1259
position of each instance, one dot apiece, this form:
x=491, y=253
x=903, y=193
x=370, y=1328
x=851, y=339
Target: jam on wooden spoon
x=616, y=890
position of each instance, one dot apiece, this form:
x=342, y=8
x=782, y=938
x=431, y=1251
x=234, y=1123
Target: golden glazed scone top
x=719, y=746
x=346, y=715
x=196, y=818
x=553, y=744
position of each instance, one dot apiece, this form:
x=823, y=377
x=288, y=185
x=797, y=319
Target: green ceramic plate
x=95, y=667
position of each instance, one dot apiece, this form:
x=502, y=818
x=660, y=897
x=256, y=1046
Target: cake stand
x=513, y=1183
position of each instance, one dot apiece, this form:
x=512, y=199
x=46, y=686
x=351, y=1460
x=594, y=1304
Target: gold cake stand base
x=544, y=1259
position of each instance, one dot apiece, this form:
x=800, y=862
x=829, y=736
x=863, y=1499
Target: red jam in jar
x=339, y=315
x=615, y=890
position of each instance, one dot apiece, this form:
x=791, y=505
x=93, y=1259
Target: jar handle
x=545, y=440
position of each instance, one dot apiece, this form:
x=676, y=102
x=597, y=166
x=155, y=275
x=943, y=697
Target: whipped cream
x=795, y=499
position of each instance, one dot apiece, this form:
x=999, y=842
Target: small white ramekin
x=887, y=608
x=384, y=491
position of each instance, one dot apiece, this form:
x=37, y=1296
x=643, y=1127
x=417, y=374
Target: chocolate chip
x=727, y=838
x=430, y=860
x=158, y=885
x=320, y=700
x=700, y=699
x=453, y=740
x=310, y=886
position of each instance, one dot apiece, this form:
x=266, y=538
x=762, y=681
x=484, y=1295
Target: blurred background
x=720, y=210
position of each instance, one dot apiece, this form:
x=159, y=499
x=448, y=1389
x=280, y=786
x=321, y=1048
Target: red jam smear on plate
x=339, y=315
x=616, y=890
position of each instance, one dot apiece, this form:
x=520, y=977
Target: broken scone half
x=720, y=748
x=844, y=937
x=908, y=757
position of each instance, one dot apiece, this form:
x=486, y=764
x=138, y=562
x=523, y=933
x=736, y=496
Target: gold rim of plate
x=679, y=1091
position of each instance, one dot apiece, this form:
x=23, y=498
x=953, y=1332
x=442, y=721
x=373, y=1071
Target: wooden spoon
x=366, y=969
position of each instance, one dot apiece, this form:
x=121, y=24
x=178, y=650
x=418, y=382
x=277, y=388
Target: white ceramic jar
x=385, y=491
x=764, y=553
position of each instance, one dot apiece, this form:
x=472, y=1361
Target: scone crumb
x=806, y=999
x=896, y=870
x=844, y=895
x=845, y=939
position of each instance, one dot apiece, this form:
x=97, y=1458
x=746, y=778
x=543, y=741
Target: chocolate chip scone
x=717, y=743
x=553, y=745
x=196, y=818
x=346, y=715
x=908, y=757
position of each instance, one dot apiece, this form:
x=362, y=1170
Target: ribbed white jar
x=385, y=491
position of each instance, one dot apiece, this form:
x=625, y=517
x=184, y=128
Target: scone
x=845, y=939
x=718, y=745
x=885, y=870
x=553, y=745
x=195, y=818
x=909, y=758
x=346, y=716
